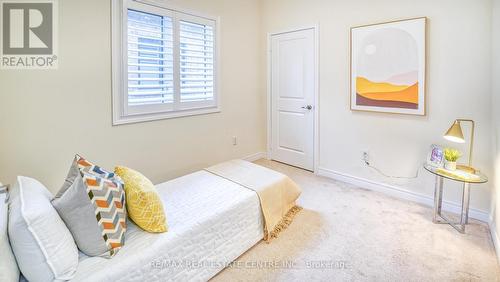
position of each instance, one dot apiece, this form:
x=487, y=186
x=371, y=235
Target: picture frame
x=388, y=67
x=435, y=157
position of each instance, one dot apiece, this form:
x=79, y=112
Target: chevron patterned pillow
x=108, y=198
x=92, y=204
x=86, y=166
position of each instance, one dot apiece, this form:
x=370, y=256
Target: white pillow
x=42, y=244
x=8, y=268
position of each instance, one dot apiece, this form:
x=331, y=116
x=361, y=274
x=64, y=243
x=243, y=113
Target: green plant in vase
x=451, y=156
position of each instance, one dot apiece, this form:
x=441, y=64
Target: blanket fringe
x=283, y=224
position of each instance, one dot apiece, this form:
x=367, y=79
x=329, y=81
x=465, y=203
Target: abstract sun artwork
x=388, y=67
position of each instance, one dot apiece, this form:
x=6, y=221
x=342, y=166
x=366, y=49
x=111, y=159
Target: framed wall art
x=436, y=156
x=388, y=67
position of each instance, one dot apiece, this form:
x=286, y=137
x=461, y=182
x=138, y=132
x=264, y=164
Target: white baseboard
x=494, y=237
x=399, y=192
x=256, y=156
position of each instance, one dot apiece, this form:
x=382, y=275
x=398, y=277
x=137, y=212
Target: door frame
x=315, y=28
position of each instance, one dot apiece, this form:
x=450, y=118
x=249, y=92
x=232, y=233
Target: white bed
x=212, y=221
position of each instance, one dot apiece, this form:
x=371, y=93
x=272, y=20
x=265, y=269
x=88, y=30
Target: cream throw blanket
x=277, y=192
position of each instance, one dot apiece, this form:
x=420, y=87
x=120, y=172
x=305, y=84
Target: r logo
x=27, y=28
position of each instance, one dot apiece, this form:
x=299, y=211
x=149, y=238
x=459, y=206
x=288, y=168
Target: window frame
x=121, y=112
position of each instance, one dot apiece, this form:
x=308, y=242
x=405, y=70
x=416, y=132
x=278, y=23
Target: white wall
x=48, y=116
x=495, y=102
x=458, y=80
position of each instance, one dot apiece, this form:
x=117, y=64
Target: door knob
x=308, y=107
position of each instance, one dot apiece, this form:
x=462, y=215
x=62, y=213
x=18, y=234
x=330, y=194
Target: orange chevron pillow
x=108, y=200
x=144, y=205
x=92, y=204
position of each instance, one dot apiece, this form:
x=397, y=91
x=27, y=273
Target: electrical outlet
x=365, y=156
x=235, y=140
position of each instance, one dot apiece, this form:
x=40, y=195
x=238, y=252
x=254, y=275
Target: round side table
x=441, y=174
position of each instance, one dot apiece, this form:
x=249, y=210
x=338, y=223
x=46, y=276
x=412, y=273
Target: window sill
x=121, y=120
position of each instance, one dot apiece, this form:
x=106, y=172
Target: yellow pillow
x=144, y=205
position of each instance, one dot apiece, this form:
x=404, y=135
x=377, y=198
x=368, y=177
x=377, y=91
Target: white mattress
x=212, y=221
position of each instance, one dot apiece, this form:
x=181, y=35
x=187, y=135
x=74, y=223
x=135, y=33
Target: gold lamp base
x=466, y=168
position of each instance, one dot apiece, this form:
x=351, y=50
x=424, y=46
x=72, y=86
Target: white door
x=292, y=98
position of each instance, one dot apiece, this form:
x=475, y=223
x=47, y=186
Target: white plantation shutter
x=168, y=64
x=150, y=59
x=196, y=61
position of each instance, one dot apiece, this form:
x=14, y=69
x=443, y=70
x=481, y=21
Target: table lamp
x=455, y=134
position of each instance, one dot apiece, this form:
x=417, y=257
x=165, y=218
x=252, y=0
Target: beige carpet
x=347, y=233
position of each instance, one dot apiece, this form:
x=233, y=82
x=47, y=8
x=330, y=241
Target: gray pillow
x=77, y=212
x=78, y=205
x=8, y=268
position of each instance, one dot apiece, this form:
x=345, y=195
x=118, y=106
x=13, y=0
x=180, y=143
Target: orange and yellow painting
x=388, y=67
x=386, y=94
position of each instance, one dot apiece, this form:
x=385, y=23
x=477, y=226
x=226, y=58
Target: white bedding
x=212, y=221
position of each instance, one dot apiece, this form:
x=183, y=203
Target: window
x=164, y=63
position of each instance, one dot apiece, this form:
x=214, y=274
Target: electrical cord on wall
x=367, y=163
